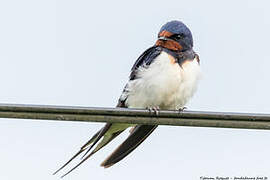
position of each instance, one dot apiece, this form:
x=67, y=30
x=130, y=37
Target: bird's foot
x=154, y=110
x=181, y=109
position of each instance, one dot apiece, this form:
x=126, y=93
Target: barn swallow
x=164, y=77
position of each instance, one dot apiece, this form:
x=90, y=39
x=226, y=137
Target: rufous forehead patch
x=165, y=34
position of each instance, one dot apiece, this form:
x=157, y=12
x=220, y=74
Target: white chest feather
x=163, y=83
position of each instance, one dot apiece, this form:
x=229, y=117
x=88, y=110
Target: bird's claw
x=181, y=109
x=154, y=110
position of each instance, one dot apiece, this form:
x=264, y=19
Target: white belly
x=163, y=84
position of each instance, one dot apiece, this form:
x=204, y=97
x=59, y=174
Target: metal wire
x=136, y=116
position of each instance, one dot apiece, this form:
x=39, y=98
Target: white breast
x=163, y=84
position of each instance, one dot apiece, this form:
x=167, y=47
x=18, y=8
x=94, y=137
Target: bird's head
x=175, y=36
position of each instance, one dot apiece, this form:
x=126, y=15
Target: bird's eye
x=178, y=36
x=181, y=36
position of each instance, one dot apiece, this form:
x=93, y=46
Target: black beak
x=163, y=38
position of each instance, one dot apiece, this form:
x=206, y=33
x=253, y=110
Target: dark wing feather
x=138, y=135
x=89, y=145
x=83, y=148
x=146, y=58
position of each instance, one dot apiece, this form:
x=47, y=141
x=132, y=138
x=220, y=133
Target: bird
x=164, y=77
